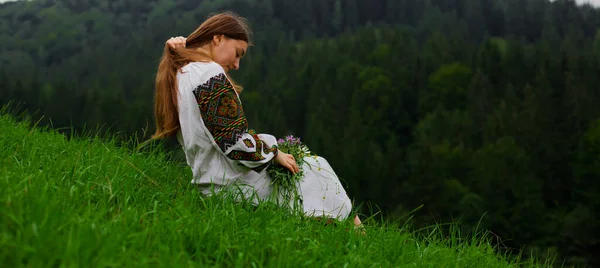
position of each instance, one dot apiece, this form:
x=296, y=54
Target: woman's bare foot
x=358, y=226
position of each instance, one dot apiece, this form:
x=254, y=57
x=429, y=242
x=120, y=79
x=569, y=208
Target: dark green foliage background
x=484, y=111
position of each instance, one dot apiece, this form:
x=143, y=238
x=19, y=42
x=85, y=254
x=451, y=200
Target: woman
x=198, y=102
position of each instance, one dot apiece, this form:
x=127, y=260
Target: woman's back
x=201, y=152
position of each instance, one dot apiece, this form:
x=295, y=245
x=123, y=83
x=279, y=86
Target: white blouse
x=222, y=151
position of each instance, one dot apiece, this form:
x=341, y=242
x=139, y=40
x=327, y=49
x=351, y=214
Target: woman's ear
x=217, y=39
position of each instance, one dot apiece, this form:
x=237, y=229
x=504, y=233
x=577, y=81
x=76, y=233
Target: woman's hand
x=287, y=161
x=176, y=42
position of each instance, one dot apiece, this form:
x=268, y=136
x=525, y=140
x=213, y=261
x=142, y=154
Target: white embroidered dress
x=222, y=152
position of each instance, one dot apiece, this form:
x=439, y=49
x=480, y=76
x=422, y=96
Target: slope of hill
x=83, y=202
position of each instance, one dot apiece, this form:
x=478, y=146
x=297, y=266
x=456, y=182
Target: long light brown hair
x=165, y=101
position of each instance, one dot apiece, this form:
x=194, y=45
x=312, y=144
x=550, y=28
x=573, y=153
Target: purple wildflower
x=290, y=139
x=295, y=141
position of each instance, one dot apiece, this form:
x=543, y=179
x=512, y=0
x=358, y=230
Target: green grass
x=87, y=202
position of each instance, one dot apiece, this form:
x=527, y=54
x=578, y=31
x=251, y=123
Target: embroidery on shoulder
x=221, y=111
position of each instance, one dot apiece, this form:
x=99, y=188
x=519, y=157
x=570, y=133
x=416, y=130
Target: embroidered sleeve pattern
x=223, y=116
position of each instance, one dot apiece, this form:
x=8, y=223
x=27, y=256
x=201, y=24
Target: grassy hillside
x=86, y=202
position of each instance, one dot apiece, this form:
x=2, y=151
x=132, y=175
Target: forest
x=483, y=112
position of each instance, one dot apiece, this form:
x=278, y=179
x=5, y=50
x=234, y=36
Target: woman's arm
x=223, y=116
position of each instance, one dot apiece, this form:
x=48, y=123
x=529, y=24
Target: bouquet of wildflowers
x=284, y=181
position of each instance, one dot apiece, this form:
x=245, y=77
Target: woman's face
x=228, y=52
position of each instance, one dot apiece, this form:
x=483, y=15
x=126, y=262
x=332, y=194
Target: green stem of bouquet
x=286, y=185
x=286, y=189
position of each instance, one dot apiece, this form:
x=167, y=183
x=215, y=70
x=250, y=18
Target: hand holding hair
x=176, y=42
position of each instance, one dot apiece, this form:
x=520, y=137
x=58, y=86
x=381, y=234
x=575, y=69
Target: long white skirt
x=321, y=192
